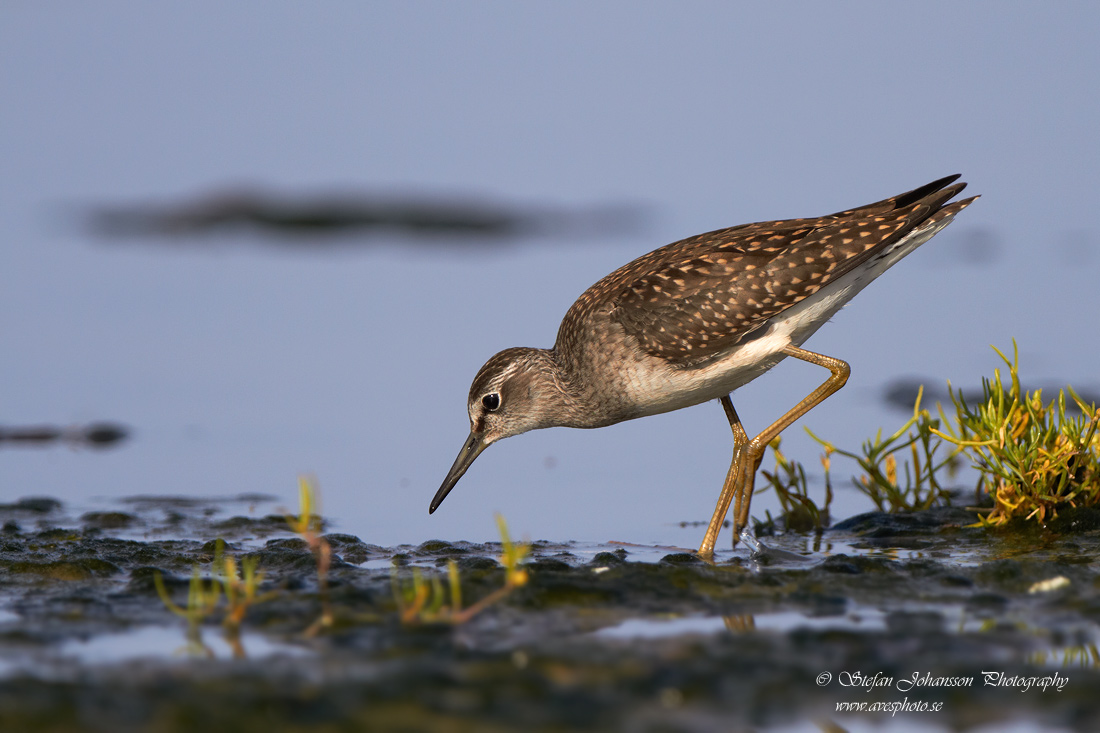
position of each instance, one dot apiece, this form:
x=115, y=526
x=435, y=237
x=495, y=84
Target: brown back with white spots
x=690, y=301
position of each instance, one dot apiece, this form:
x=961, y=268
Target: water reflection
x=1057, y=648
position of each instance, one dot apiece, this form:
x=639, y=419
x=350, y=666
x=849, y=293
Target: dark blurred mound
x=901, y=393
x=306, y=217
x=95, y=435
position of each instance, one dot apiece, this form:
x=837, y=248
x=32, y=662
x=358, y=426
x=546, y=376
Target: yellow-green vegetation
x=425, y=601
x=204, y=596
x=202, y=599
x=881, y=481
x=240, y=583
x=308, y=525
x=800, y=512
x=241, y=589
x=1032, y=457
x=1081, y=656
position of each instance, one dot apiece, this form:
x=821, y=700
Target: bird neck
x=566, y=395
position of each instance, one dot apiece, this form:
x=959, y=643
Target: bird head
x=514, y=392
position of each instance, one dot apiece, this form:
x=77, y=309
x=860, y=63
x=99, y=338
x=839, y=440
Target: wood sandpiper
x=696, y=319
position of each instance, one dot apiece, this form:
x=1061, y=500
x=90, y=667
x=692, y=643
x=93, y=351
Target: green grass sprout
x=424, y=601
x=308, y=526
x=241, y=588
x=204, y=597
x=202, y=601
x=800, y=512
x=918, y=440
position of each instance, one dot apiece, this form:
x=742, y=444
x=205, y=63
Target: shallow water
x=603, y=635
x=136, y=645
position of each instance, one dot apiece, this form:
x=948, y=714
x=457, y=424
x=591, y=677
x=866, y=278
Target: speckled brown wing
x=689, y=302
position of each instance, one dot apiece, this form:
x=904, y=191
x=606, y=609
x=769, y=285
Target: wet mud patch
x=602, y=637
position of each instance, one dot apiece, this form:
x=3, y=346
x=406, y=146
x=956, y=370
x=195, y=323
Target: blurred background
x=273, y=238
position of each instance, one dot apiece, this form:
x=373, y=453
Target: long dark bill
x=471, y=450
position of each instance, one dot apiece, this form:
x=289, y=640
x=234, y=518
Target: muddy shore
x=602, y=637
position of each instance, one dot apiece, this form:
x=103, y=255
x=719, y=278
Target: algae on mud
x=893, y=594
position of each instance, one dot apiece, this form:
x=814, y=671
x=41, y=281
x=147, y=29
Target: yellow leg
x=747, y=454
x=729, y=488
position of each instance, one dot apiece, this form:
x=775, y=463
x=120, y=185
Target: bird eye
x=491, y=401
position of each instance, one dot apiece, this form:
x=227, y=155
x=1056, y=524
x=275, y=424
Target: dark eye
x=491, y=401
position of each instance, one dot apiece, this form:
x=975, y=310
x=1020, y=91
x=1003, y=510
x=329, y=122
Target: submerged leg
x=747, y=454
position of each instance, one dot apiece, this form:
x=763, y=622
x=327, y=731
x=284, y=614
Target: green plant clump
x=1033, y=457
